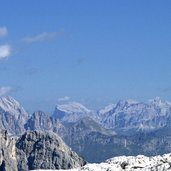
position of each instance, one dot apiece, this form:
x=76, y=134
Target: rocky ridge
x=129, y=116
x=124, y=117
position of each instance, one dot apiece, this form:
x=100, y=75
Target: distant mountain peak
x=72, y=107
x=130, y=114
x=13, y=116
x=72, y=112
x=157, y=101
x=8, y=102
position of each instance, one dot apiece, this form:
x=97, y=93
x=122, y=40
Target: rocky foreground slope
x=138, y=163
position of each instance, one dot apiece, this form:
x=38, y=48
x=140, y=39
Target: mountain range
x=124, y=116
x=125, y=128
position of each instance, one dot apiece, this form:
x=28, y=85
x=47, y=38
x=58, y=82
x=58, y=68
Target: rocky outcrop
x=41, y=121
x=8, y=160
x=38, y=150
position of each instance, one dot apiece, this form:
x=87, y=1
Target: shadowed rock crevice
x=3, y=167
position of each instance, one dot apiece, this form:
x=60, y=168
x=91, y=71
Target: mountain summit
x=12, y=115
x=72, y=112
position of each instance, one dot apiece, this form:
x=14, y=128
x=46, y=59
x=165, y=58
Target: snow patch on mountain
x=72, y=107
x=72, y=112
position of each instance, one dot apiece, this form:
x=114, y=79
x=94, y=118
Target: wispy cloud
x=62, y=99
x=5, y=90
x=3, y=31
x=5, y=51
x=45, y=36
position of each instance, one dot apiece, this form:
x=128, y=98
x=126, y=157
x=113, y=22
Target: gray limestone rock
x=38, y=150
x=8, y=160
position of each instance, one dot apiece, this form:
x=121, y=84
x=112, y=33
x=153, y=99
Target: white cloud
x=5, y=51
x=3, y=31
x=5, y=90
x=43, y=37
x=62, y=99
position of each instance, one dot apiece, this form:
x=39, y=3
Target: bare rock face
x=38, y=150
x=41, y=121
x=130, y=117
x=8, y=160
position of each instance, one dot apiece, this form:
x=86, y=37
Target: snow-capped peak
x=73, y=107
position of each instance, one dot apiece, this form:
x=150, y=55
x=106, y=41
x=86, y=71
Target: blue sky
x=94, y=51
